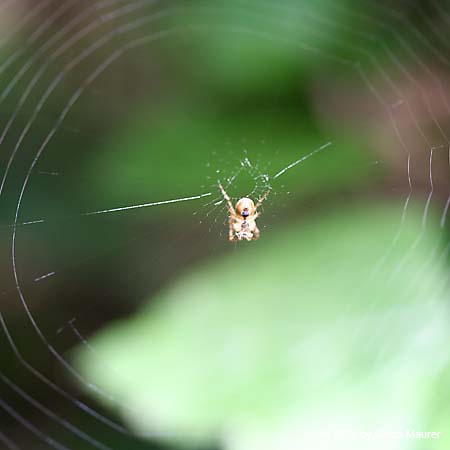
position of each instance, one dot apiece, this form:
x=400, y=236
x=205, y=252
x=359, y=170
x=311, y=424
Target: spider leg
x=228, y=200
x=231, y=212
x=231, y=235
x=256, y=234
x=266, y=194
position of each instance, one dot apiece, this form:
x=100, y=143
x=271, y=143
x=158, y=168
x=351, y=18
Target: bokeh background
x=144, y=328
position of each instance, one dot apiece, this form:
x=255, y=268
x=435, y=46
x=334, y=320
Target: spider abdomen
x=244, y=229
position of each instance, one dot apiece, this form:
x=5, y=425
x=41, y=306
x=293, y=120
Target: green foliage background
x=336, y=317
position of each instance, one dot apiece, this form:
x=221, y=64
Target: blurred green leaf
x=268, y=47
x=297, y=333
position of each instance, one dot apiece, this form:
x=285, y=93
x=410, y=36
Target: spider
x=242, y=220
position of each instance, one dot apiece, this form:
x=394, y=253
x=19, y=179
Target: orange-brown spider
x=242, y=220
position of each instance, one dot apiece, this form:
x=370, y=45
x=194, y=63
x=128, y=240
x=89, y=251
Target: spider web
x=55, y=57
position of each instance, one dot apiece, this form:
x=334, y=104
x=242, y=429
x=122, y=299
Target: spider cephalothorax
x=242, y=219
x=245, y=207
